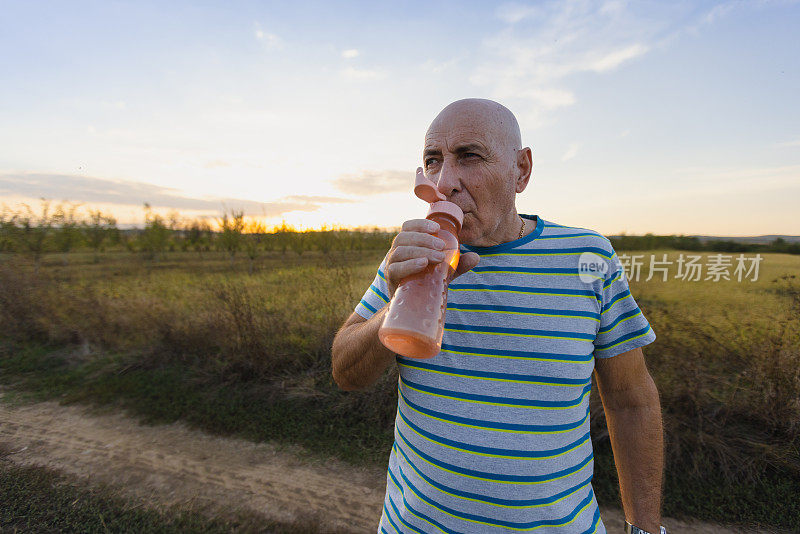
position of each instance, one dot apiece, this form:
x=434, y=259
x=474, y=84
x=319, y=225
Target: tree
x=98, y=229
x=283, y=236
x=68, y=229
x=252, y=241
x=197, y=236
x=354, y=239
x=231, y=227
x=326, y=239
x=8, y=230
x=298, y=242
x=176, y=235
x=34, y=231
x=128, y=241
x=155, y=237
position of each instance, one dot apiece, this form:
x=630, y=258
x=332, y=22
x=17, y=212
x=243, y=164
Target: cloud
x=352, y=73
x=724, y=9
x=571, y=152
x=126, y=193
x=545, y=98
x=375, y=182
x=350, y=53
x=269, y=40
x=789, y=144
x=216, y=164
x=317, y=199
x=542, y=46
x=614, y=59
x=513, y=13
x=438, y=67
x=115, y=104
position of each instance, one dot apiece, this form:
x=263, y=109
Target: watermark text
x=692, y=268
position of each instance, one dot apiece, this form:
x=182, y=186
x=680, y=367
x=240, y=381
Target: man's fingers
x=467, y=262
x=413, y=249
x=420, y=225
x=410, y=252
x=418, y=239
x=396, y=271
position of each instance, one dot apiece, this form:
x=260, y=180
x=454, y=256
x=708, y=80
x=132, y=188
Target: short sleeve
x=376, y=296
x=623, y=326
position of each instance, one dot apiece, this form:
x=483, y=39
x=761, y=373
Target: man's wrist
x=633, y=529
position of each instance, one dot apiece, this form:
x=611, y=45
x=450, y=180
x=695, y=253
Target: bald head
x=495, y=120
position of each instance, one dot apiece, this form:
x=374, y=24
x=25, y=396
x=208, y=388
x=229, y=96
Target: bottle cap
x=448, y=208
x=425, y=189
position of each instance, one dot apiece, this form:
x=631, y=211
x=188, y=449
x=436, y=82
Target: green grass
x=234, y=353
x=37, y=499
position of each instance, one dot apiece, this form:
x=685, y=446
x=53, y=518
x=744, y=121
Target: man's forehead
x=457, y=148
x=476, y=121
x=450, y=137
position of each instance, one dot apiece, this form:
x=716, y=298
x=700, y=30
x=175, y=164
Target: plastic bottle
x=414, y=323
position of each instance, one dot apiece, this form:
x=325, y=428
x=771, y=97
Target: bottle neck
x=445, y=223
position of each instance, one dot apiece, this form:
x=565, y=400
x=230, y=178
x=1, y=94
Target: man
x=492, y=434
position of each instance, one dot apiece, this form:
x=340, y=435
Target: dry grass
x=727, y=363
x=278, y=321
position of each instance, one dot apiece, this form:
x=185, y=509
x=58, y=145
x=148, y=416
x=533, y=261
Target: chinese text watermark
x=691, y=268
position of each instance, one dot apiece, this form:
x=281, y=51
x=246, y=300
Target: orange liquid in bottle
x=414, y=323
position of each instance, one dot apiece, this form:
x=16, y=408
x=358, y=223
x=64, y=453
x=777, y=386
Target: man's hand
x=414, y=248
x=357, y=356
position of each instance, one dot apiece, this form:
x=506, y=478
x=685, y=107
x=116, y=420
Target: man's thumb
x=467, y=262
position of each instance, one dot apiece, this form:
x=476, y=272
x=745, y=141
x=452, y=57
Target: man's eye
x=430, y=161
x=471, y=155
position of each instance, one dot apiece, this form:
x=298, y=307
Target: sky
x=665, y=117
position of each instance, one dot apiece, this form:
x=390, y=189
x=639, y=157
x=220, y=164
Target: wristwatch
x=632, y=529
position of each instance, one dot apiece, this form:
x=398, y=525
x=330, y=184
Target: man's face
x=473, y=166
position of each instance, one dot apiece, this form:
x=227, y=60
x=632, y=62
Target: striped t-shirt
x=492, y=433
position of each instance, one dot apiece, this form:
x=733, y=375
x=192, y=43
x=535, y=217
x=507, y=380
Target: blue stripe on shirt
x=518, y=331
x=622, y=339
x=417, y=364
x=494, y=451
x=523, y=310
x=483, y=424
x=520, y=354
x=528, y=525
x=530, y=290
x=495, y=477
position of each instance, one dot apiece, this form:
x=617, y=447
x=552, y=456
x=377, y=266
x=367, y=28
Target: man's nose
x=448, y=180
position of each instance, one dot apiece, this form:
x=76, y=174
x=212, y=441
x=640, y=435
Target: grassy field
x=248, y=354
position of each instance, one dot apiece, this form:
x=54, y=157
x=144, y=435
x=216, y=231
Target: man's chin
x=466, y=237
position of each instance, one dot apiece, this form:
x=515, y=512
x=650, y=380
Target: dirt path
x=175, y=465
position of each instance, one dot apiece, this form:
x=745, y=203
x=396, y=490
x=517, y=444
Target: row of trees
x=64, y=229
x=684, y=242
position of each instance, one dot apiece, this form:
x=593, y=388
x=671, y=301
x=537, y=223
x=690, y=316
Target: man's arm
x=358, y=358
x=633, y=413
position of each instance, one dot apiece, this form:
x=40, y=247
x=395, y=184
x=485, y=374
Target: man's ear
x=525, y=168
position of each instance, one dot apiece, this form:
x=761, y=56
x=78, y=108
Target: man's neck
x=507, y=231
